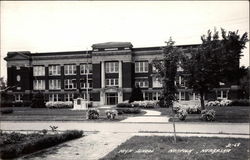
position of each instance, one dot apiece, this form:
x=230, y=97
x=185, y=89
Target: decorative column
x=102, y=94
x=120, y=95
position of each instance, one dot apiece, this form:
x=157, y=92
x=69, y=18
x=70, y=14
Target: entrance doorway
x=112, y=98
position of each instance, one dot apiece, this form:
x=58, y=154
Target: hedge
x=124, y=105
x=46, y=141
x=128, y=110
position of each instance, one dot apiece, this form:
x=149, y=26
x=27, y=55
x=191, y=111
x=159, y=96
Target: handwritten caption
x=227, y=149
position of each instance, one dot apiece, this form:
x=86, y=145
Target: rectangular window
x=55, y=84
x=39, y=84
x=111, y=67
x=157, y=82
x=69, y=84
x=141, y=67
x=69, y=97
x=54, y=70
x=38, y=71
x=70, y=69
x=112, y=82
x=54, y=97
x=85, y=69
x=18, y=98
x=142, y=83
x=83, y=84
x=181, y=96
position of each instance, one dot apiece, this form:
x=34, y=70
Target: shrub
x=39, y=143
x=240, y=102
x=51, y=104
x=182, y=114
x=93, y=113
x=111, y=114
x=124, y=105
x=7, y=111
x=145, y=104
x=194, y=109
x=223, y=102
x=128, y=110
x=208, y=115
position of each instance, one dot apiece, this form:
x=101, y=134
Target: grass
x=231, y=114
x=17, y=144
x=186, y=148
x=45, y=114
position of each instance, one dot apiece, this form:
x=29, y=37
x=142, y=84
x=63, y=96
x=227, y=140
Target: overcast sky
x=70, y=26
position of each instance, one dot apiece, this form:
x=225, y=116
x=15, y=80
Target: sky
x=52, y=26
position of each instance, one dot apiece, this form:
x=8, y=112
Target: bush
x=182, y=114
x=93, y=113
x=195, y=109
x=145, y=104
x=29, y=146
x=124, y=105
x=223, y=102
x=208, y=115
x=240, y=102
x=7, y=111
x=111, y=114
x=59, y=105
x=128, y=110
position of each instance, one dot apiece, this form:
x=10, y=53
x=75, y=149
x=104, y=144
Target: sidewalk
x=150, y=116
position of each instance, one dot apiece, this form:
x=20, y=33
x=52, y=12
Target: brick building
x=110, y=70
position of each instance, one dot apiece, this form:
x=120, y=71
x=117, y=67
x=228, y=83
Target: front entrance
x=111, y=98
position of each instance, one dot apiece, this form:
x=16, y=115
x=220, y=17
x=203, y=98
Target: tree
x=136, y=94
x=167, y=71
x=214, y=61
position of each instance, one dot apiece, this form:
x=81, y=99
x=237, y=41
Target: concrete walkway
x=150, y=116
x=90, y=147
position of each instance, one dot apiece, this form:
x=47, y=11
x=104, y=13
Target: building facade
x=106, y=74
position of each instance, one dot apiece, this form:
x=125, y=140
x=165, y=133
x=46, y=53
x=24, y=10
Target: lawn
x=45, y=114
x=188, y=148
x=17, y=144
x=231, y=114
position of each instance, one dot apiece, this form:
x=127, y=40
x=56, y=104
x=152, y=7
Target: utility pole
x=87, y=79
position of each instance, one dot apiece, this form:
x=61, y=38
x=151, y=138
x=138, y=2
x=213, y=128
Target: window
x=54, y=70
x=141, y=67
x=156, y=96
x=38, y=71
x=18, y=98
x=222, y=94
x=147, y=96
x=39, y=84
x=180, y=81
x=55, y=84
x=196, y=96
x=70, y=69
x=69, y=84
x=111, y=67
x=54, y=97
x=69, y=97
x=181, y=96
x=112, y=82
x=83, y=84
x=141, y=83
x=85, y=68
x=157, y=82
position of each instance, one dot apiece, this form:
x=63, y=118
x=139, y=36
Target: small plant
x=44, y=131
x=54, y=128
x=93, y=113
x=111, y=114
x=182, y=114
x=208, y=115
